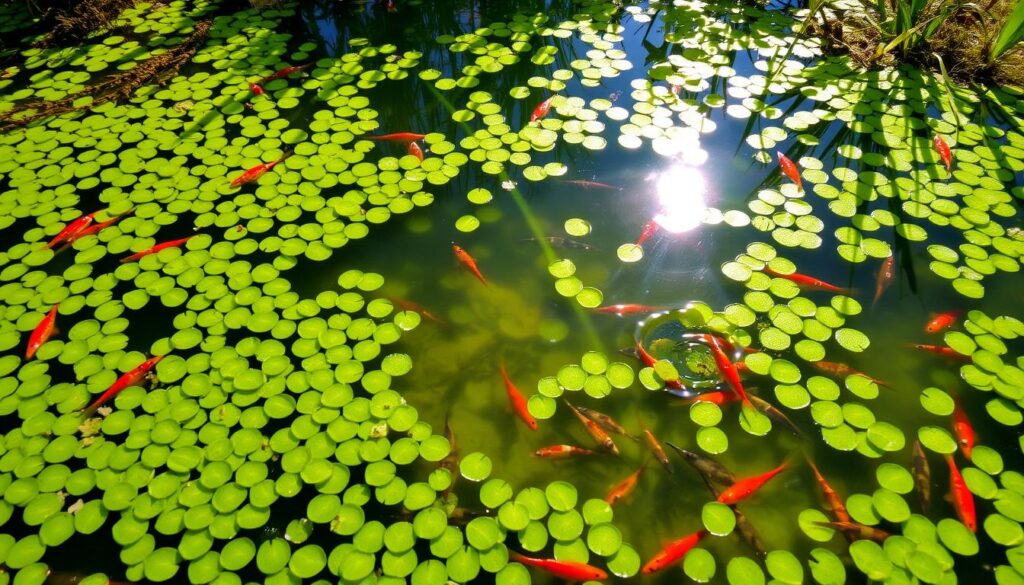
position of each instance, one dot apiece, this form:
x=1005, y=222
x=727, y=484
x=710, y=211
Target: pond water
x=331, y=403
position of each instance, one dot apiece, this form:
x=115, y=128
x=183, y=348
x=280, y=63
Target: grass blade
x=1009, y=35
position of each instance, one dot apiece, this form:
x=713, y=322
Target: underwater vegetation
x=320, y=293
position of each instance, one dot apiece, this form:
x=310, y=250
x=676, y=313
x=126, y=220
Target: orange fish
x=939, y=143
x=41, y=333
x=947, y=352
x=855, y=531
x=832, y=499
x=415, y=150
x=569, y=570
x=132, y=377
x=963, y=429
x=649, y=228
x=655, y=446
x=627, y=309
x=606, y=422
x=466, y=260
x=809, y=282
x=718, y=397
x=156, y=248
x=789, y=169
x=562, y=451
x=398, y=137
x=942, y=321
x=744, y=488
x=257, y=171
x=595, y=431
x=728, y=370
x=515, y=397
x=840, y=369
x=886, y=274
x=541, y=110
x=962, y=498
x=649, y=361
x=72, y=228
x=411, y=306
x=673, y=552
x=625, y=487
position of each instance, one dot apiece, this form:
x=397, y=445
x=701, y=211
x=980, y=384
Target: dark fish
x=922, y=477
x=451, y=461
x=775, y=414
x=595, y=430
x=706, y=466
x=562, y=242
x=607, y=423
x=655, y=446
x=833, y=502
x=886, y=273
x=855, y=531
x=743, y=525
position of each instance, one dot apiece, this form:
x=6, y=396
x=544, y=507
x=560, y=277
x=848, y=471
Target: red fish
x=840, y=369
x=541, y=110
x=649, y=228
x=832, y=499
x=744, y=488
x=282, y=73
x=728, y=370
x=886, y=274
x=649, y=361
x=156, y=248
x=132, y=377
x=41, y=333
x=942, y=321
x=627, y=309
x=466, y=260
x=97, y=228
x=256, y=89
x=515, y=397
x=809, y=282
x=963, y=501
x=398, y=137
x=411, y=306
x=72, y=228
x=621, y=490
x=718, y=397
x=257, y=171
x=789, y=169
x=415, y=150
x=569, y=570
x=562, y=451
x=947, y=352
x=963, y=429
x=939, y=143
x=673, y=552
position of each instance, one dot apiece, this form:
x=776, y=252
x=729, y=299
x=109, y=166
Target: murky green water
x=289, y=437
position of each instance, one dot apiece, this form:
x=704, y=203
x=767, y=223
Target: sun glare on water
x=680, y=191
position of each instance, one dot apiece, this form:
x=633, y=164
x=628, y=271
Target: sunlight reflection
x=680, y=192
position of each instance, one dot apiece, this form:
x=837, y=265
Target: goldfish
x=775, y=414
x=411, y=306
x=595, y=431
x=398, y=137
x=963, y=429
x=541, y=110
x=569, y=570
x=855, y=531
x=655, y=446
x=466, y=260
x=832, y=500
x=789, y=169
x=718, y=397
x=156, y=248
x=627, y=309
x=649, y=228
x=962, y=498
x=256, y=89
x=649, y=361
x=415, y=150
x=942, y=350
x=42, y=332
x=809, y=282
x=285, y=72
x=625, y=487
x=673, y=552
x=515, y=397
x=706, y=466
x=728, y=370
x=840, y=369
x=562, y=242
x=942, y=321
x=96, y=228
x=72, y=228
x=257, y=171
x=562, y=451
x=746, y=487
x=132, y=377
x=922, y=477
x=886, y=274
x=591, y=184
x=606, y=422
x=940, y=146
